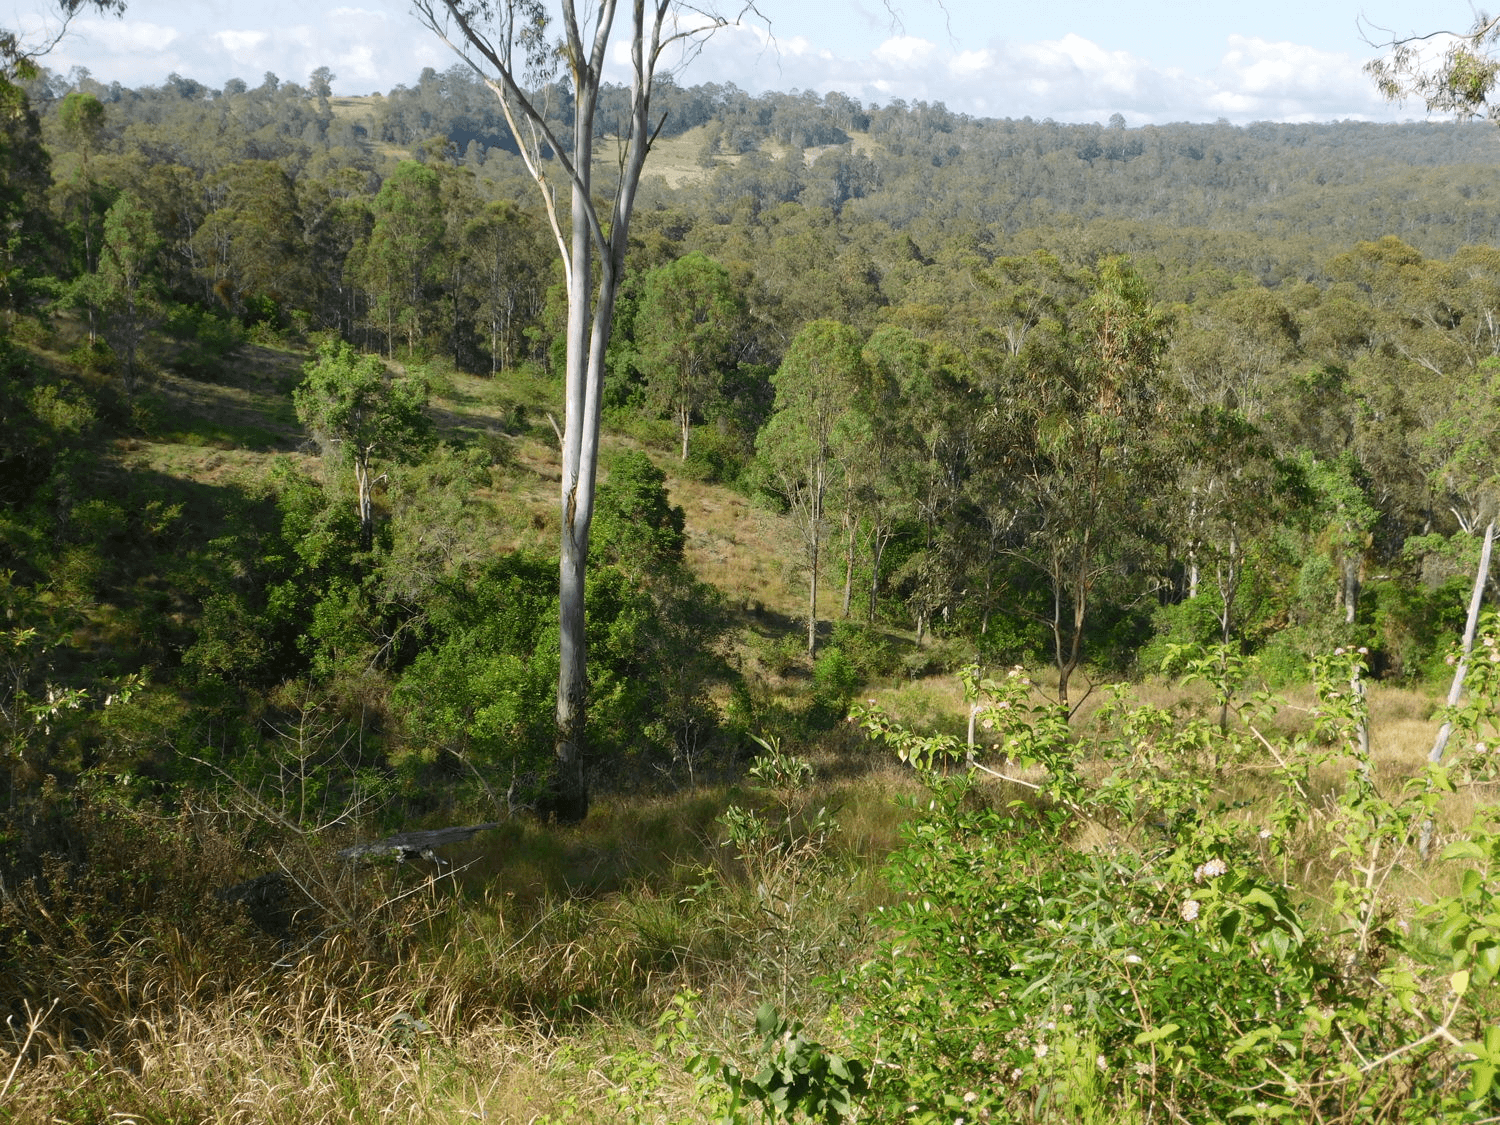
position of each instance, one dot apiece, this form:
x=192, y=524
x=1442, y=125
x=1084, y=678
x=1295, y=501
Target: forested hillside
x=1324, y=296
x=893, y=392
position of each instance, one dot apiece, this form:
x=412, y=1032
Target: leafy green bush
x=783, y=654
x=486, y=681
x=797, y=1077
x=870, y=650
x=1410, y=624
x=207, y=338
x=1192, y=621
x=835, y=677
x=635, y=525
x=96, y=357
x=716, y=456
x=1176, y=969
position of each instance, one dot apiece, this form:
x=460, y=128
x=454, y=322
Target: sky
x=1151, y=61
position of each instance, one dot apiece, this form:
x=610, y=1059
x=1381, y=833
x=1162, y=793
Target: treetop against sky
x=1148, y=60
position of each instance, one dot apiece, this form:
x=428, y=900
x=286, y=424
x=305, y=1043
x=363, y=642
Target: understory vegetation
x=1019, y=618
x=1292, y=919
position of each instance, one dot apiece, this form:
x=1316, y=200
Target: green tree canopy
x=127, y=286
x=351, y=406
x=635, y=525
x=685, y=328
x=815, y=386
x=397, y=263
x=1095, y=417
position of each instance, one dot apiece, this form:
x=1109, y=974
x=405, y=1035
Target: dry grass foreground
x=550, y=975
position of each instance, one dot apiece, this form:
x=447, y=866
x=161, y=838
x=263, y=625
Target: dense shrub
x=1177, y=968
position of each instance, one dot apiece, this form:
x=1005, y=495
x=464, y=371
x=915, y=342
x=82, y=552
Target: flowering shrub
x=1170, y=969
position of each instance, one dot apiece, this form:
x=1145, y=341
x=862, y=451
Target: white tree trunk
x=1476, y=598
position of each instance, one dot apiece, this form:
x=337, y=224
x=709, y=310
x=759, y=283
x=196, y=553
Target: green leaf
x=1486, y=963
x=1463, y=849
x=1258, y=897
x=1471, y=882
x=1156, y=1034
x=767, y=1023
x=1482, y=1078
x=1278, y=943
x=1253, y=1039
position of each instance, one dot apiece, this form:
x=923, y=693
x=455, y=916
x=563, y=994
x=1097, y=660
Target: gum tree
x=354, y=409
x=1454, y=73
x=398, y=262
x=513, y=48
x=798, y=448
x=126, y=285
x=685, y=331
x=1095, y=406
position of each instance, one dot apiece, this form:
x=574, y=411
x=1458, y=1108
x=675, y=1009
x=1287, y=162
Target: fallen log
x=419, y=843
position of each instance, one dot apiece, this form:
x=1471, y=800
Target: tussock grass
x=739, y=548
x=524, y=982
x=527, y=982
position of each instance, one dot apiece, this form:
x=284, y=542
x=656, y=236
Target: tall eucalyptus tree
x=816, y=386
x=1095, y=406
x=510, y=45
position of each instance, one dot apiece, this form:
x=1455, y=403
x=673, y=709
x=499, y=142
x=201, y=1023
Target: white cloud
x=119, y=38
x=1069, y=78
x=905, y=51
x=357, y=68
x=967, y=63
x=1261, y=67
x=798, y=46
x=241, y=42
x=1260, y=79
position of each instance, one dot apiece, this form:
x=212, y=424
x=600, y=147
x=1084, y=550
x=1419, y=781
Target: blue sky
x=1072, y=60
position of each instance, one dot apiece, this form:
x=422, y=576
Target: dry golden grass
x=528, y=1003
x=675, y=159
x=528, y=989
x=739, y=548
x=317, y=1057
x=322, y=1062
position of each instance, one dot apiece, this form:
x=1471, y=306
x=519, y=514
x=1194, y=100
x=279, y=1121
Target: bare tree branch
x=1458, y=84
x=19, y=60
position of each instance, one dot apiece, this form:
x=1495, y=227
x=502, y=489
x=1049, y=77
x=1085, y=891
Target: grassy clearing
x=524, y=981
